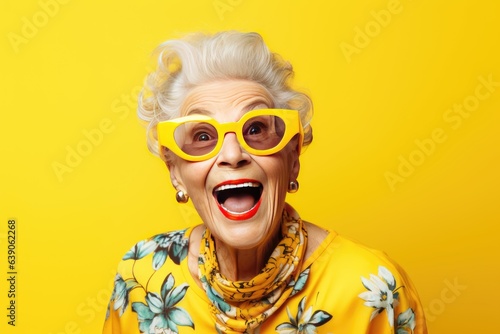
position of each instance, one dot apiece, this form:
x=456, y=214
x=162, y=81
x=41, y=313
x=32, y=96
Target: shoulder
x=358, y=281
x=361, y=256
x=147, y=274
x=339, y=254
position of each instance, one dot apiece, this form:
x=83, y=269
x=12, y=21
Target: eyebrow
x=198, y=111
x=249, y=107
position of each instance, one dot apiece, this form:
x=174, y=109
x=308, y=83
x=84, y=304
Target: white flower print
x=304, y=322
x=382, y=293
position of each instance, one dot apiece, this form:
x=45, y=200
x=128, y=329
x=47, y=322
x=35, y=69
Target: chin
x=243, y=238
x=248, y=233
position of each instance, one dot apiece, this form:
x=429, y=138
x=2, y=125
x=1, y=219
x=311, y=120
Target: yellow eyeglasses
x=259, y=132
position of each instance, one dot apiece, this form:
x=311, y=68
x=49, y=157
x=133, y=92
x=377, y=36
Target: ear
x=295, y=167
x=173, y=169
x=175, y=177
x=294, y=161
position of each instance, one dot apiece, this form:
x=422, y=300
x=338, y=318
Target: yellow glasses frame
x=291, y=118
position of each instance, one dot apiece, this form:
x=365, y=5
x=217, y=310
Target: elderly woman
x=223, y=117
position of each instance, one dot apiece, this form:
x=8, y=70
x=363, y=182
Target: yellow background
x=75, y=74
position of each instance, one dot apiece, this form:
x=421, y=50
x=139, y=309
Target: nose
x=231, y=154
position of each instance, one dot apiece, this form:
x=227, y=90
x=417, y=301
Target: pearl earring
x=181, y=197
x=293, y=187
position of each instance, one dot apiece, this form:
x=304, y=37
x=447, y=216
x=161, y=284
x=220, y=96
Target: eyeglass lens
x=198, y=138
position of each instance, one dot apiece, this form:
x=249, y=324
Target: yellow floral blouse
x=344, y=288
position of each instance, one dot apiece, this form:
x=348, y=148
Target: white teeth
x=240, y=185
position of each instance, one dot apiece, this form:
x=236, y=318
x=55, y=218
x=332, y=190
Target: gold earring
x=293, y=186
x=181, y=197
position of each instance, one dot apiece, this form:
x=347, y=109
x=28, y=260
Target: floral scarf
x=241, y=306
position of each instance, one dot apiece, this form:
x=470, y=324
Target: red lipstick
x=238, y=184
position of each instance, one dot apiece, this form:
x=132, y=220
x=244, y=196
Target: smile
x=238, y=199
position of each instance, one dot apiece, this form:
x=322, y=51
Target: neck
x=244, y=264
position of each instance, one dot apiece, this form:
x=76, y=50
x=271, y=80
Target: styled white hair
x=199, y=58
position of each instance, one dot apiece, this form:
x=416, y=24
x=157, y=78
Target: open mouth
x=238, y=199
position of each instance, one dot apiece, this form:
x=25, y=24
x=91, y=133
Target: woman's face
x=240, y=197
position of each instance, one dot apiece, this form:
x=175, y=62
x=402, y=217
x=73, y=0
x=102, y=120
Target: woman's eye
x=256, y=128
x=203, y=136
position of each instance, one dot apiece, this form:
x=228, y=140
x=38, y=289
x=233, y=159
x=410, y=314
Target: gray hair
x=200, y=58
